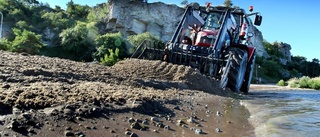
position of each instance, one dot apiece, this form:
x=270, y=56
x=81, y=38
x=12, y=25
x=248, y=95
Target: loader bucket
x=149, y=50
x=154, y=51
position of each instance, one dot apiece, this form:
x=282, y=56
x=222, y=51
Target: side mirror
x=258, y=20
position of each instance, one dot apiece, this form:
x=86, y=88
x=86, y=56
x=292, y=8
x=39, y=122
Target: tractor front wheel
x=238, y=64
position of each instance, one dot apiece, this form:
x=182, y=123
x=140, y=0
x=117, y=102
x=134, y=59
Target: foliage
x=26, y=41
x=281, y=83
x=293, y=82
x=303, y=82
x=4, y=44
x=98, y=14
x=228, y=3
x=111, y=58
x=136, y=40
x=77, y=11
x=79, y=39
x=57, y=21
x=110, y=41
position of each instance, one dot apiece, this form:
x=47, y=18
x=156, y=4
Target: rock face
x=284, y=48
x=257, y=41
x=135, y=17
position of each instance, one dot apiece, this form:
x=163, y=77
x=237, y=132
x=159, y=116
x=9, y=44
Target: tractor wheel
x=248, y=76
x=238, y=65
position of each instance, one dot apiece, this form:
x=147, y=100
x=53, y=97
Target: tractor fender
x=250, y=49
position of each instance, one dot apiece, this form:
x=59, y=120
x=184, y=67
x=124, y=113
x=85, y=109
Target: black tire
x=238, y=65
x=248, y=76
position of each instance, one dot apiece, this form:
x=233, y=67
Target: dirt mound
x=39, y=82
x=185, y=77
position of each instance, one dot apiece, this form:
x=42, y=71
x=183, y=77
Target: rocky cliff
x=135, y=17
x=284, y=48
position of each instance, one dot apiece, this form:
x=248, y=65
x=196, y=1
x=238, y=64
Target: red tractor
x=213, y=39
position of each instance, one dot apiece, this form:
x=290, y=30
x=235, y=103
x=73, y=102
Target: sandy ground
x=42, y=96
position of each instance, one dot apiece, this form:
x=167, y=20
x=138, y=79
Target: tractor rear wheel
x=238, y=65
x=248, y=76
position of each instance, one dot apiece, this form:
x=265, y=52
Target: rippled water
x=285, y=113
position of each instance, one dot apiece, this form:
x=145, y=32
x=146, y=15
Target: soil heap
x=39, y=95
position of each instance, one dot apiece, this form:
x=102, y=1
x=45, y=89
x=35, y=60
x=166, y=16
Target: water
x=281, y=113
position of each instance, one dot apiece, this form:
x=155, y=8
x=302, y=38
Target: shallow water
x=281, y=113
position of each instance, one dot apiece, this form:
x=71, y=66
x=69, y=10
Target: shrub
x=110, y=41
x=4, y=44
x=314, y=83
x=26, y=41
x=136, y=40
x=303, y=82
x=110, y=59
x=293, y=82
x=281, y=83
x=79, y=40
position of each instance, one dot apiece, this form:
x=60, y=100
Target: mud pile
x=38, y=81
x=43, y=96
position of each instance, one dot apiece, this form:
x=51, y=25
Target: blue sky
x=295, y=22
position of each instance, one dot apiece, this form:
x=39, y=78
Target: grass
x=303, y=82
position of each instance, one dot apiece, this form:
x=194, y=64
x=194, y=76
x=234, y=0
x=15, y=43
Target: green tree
x=99, y=14
x=79, y=40
x=228, y=3
x=26, y=41
x=110, y=41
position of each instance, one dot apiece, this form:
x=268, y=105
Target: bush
x=110, y=59
x=26, y=41
x=293, y=82
x=303, y=82
x=111, y=41
x=79, y=40
x=136, y=40
x=314, y=84
x=281, y=83
x=4, y=44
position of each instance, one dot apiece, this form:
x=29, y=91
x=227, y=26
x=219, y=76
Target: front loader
x=212, y=39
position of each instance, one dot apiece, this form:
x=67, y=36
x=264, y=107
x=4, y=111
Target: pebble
x=131, y=120
x=167, y=127
x=135, y=125
x=218, y=130
x=161, y=125
x=145, y=122
x=128, y=133
x=6, y=86
x=134, y=135
x=68, y=128
x=218, y=113
x=191, y=120
x=198, y=131
x=154, y=119
x=68, y=133
x=177, y=108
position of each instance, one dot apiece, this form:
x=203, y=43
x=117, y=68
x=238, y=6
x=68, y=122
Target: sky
x=295, y=22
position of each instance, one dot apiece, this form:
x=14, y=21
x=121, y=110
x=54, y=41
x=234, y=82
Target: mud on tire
x=238, y=65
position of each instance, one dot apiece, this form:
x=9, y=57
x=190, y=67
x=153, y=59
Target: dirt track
x=41, y=96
